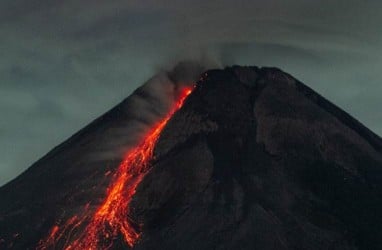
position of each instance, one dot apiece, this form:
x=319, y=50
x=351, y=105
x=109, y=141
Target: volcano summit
x=242, y=158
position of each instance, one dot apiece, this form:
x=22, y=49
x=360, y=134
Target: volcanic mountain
x=243, y=158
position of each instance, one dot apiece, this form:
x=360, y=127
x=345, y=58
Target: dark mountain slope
x=256, y=160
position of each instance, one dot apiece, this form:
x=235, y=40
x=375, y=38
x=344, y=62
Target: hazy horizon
x=66, y=63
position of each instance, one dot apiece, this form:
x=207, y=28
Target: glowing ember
x=111, y=220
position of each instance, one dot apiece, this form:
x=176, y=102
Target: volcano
x=242, y=158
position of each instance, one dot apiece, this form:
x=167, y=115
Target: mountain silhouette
x=251, y=158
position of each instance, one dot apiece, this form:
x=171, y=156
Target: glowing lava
x=111, y=220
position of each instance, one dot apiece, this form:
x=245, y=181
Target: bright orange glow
x=112, y=218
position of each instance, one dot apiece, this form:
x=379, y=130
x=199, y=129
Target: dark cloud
x=63, y=63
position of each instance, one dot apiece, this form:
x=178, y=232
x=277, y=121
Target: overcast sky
x=64, y=63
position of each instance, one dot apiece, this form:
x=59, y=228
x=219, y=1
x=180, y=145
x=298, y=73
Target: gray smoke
x=142, y=109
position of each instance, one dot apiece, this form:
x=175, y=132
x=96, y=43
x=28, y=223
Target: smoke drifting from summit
x=145, y=106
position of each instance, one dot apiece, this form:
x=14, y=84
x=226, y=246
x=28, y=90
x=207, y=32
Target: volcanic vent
x=250, y=158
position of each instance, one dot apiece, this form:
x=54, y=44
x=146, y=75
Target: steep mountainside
x=254, y=159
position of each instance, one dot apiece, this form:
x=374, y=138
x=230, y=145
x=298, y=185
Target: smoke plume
x=144, y=107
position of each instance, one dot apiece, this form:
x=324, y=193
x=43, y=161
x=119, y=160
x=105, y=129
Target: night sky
x=64, y=63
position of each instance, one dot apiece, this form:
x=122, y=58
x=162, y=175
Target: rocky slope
x=253, y=160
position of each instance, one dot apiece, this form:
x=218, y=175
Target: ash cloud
x=159, y=93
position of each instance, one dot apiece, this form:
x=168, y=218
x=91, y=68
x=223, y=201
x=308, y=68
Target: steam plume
x=145, y=106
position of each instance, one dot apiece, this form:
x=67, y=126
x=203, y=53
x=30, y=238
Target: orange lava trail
x=111, y=220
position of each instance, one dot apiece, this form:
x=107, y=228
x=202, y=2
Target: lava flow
x=112, y=219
